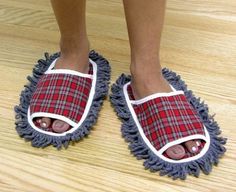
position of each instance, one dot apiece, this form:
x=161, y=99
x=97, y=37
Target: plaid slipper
x=67, y=95
x=159, y=121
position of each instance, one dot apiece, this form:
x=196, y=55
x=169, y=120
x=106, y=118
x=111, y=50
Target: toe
x=59, y=126
x=45, y=122
x=193, y=146
x=38, y=120
x=176, y=152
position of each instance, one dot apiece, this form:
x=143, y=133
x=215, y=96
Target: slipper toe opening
x=49, y=131
x=189, y=156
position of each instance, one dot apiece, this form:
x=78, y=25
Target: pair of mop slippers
x=151, y=125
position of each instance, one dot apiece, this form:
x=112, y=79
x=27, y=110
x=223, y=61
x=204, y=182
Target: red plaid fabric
x=61, y=94
x=166, y=119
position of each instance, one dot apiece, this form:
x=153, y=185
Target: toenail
x=194, y=149
x=44, y=125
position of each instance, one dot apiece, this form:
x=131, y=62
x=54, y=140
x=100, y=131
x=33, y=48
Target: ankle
x=146, y=69
x=72, y=46
x=74, y=55
x=147, y=85
x=147, y=79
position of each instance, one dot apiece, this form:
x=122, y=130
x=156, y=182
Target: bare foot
x=145, y=83
x=73, y=61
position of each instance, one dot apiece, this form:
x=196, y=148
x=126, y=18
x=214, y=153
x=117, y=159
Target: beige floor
x=199, y=42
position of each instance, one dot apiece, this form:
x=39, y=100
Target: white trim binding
x=87, y=108
x=155, y=95
x=159, y=153
x=66, y=71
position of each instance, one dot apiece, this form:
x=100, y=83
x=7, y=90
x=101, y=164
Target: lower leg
x=74, y=45
x=145, y=22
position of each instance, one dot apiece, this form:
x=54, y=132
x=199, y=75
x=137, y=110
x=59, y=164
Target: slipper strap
x=168, y=118
x=61, y=94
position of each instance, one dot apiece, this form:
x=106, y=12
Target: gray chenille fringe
x=39, y=139
x=140, y=149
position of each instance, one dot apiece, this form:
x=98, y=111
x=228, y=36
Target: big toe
x=176, y=152
x=193, y=146
x=59, y=126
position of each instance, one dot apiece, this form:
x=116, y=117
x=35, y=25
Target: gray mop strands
x=39, y=139
x=140, y=149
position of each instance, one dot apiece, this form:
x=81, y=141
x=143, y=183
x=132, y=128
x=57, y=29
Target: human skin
x=144, y=24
